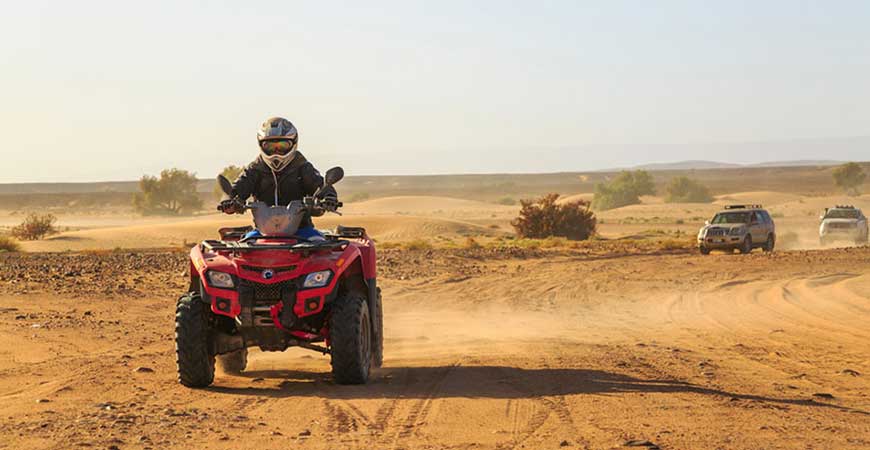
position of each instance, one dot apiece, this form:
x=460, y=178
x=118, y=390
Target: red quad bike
x=277, y=290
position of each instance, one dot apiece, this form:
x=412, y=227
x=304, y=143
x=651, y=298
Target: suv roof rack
x=845, y=207
x=742, y=206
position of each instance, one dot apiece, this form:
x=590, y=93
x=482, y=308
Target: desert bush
x=359, y=197
x=543, y=218
x=232, y=173
x=470, y=242
x=623, y=190
x=849, y=177
x=35, y=227
x=7, y=244
x=174, y=193
x=687, y=190
x=507, y=201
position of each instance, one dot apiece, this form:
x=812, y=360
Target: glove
x=231, y=206
x=329, y=202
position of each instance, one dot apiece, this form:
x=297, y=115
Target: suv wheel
x=704, y=250
x=747, y=245
x=768, y=246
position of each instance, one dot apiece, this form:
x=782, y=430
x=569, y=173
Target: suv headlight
x=317, y=279
x=220, y=279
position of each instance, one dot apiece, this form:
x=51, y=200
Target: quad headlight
x=220, y=279
x=317, y=279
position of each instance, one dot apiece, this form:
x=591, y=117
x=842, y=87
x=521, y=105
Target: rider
x=279, y=175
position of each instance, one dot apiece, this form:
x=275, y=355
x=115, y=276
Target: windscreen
x=731, y=217
x=842, y=214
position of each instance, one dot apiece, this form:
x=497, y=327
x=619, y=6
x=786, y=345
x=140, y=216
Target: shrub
x=35, y=227
x=232, y=173
x=173, y=193
x=687, y=190
x=7, y=244
x=543, y=218
x=507, y=201
x=358, y=197
x=849, y=177
x=623, y=190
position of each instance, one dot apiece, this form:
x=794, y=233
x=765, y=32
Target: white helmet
x=278, y=141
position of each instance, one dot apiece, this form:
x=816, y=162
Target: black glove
x=231, y=206
x=329, y=202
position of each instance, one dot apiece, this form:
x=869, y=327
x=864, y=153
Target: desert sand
x=596, y=347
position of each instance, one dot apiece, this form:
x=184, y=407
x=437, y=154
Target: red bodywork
x=357, y=258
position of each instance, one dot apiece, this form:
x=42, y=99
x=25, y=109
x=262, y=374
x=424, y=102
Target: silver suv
x=741, y=227
x=843, y=223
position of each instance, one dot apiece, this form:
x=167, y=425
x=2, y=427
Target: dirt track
x=531, y=350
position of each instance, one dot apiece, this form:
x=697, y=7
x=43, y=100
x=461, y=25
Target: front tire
x=771, y=242
x=234, y=362
x=704, y=250
x=350, y=329
x=192, y=350
x=747, y=245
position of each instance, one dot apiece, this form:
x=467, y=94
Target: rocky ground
x=529, y=348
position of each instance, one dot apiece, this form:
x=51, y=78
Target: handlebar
x=312, y=204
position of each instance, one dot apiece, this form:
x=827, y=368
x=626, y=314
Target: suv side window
x=754, y=218
x=765, y=217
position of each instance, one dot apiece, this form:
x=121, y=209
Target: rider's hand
x=230, y=206
x=329, y=203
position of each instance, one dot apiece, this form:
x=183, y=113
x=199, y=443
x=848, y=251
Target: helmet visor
x=277, y=147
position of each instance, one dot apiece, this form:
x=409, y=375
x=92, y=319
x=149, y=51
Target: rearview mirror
x=334, y=175
x=225, y=185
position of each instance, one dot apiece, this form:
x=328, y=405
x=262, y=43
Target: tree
x=543, y=218
x=849, y=177
x=232, y=173
x=623, y=190
x=173, y=193
x=687, y=190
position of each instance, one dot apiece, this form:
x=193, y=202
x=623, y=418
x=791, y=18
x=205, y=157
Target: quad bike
x=275, y=290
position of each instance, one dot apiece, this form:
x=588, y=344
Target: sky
x=108, y=90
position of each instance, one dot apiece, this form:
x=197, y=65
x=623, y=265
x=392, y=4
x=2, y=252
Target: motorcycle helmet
x=278, y=140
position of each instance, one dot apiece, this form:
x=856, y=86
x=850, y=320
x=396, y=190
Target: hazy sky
x=109, y=90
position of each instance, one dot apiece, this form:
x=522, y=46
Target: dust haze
x=493, y=342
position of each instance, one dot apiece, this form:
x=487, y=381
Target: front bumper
x=721, y=242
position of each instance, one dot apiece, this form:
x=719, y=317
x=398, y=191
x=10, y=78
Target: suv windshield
x=731, y=217
x=842, y=214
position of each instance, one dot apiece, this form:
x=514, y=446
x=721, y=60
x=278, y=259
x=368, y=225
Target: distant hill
x=702, y=165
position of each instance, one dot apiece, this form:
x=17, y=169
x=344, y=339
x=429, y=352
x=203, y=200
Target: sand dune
x=173, y=234
x=423, y=205
x=765, y=198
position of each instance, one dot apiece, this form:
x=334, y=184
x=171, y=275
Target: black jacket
x=297, y=180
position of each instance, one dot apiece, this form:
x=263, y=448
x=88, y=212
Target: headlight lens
x=220, y=279
x=317, y=279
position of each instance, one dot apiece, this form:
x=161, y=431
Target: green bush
x=174, y=193
x=687, y=190
x=35, y=227
x=623, y=190
x=358, y=197
x=7, y=244
x=543, y=218
x=849, y=177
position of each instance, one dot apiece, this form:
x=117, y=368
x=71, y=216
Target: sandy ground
x=534, y=350
x=405, y=218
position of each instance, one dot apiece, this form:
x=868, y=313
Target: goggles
x=277, y=147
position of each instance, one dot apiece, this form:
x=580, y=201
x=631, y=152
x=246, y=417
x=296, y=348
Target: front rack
x=215, y=245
